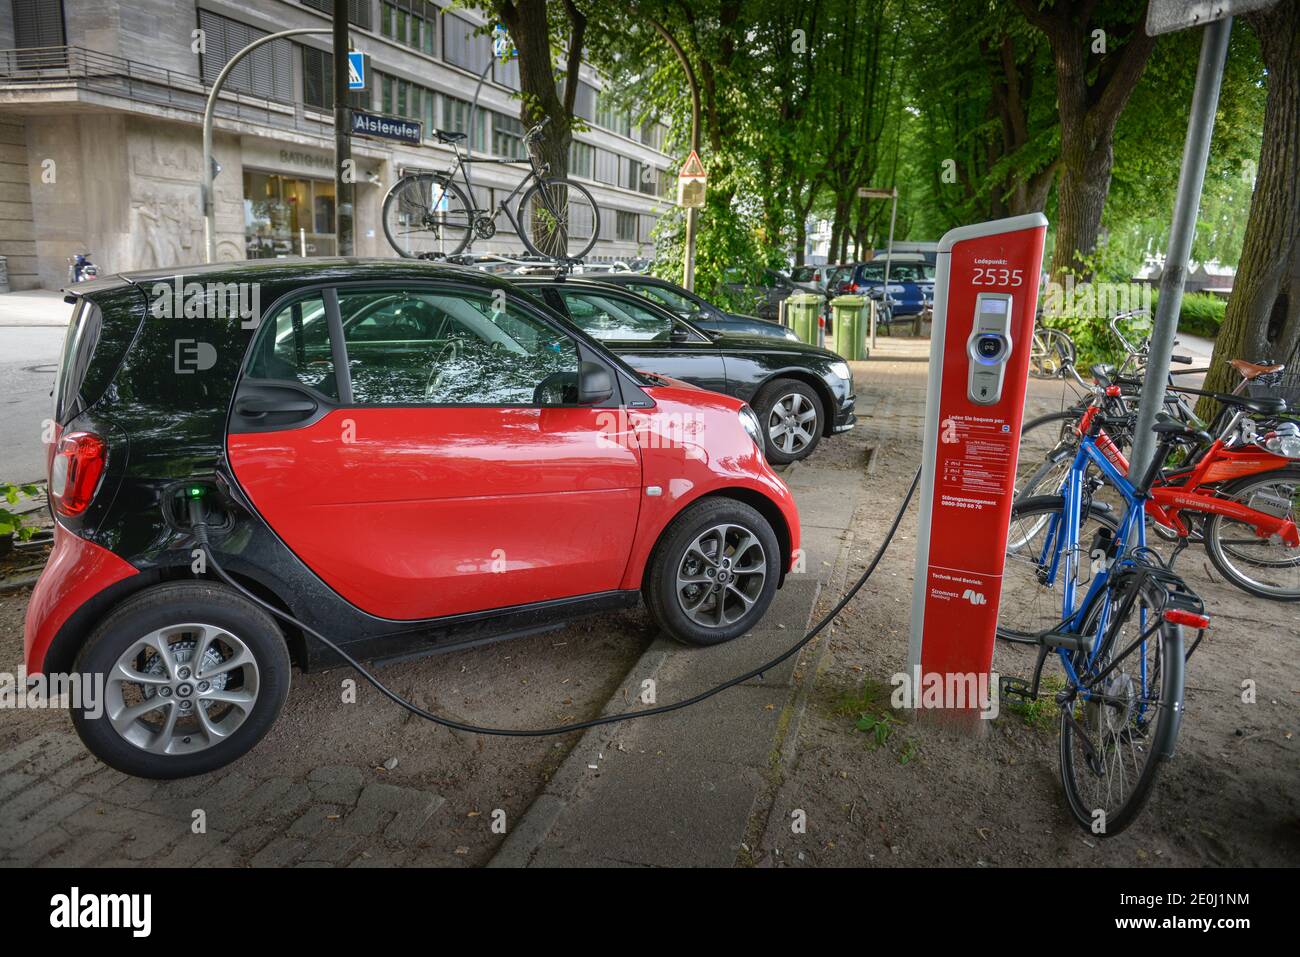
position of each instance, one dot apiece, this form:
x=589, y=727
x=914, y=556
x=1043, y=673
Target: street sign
x=386, y=127
x=503, y=48
x=866, y=192
x=985, y=296
x=1166, y=16
x=692, y=181
x=358, y=70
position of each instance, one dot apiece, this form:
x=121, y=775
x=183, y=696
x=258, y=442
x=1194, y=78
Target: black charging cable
x=200, y=528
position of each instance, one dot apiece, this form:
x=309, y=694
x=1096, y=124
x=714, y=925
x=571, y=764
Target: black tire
x=1154, y=738
x=1231, y=546
x=1023, y=612
x=574, y=248
x=665, y=600
x=405, y=200
x=174, y=606
x=779, y=403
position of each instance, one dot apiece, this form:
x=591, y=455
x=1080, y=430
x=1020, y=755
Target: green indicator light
x=196, y=491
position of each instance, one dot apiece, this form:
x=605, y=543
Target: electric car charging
x=422, y=487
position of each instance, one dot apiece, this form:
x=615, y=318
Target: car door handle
x=256, y=407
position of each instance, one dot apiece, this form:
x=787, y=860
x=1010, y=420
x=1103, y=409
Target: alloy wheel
x=721, y=575
x=791, y=422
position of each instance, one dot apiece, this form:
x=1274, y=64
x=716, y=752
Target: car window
x=294, y=346
x=898, y=272
x=670, y=299
x=416, y=347
x=605, y=317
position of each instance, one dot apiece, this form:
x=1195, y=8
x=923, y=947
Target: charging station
x=985, y=300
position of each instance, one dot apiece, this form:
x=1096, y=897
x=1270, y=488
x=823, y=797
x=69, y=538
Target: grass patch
x=1041, y=714
x=870, y=711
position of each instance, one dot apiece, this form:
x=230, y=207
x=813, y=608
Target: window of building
x=318, y=82
x=410, y=22
x=282, y=213
x=606, y=167
x=582, y=158
x=610, y=117
x=626, y=226
x=648, y=182
x=38, y=23
x=507, y=73
x=629, y=173
x=358, y=10
x=266, y=72
x=584, y=102
x=652, y=134
x=455, y=118
x=462, y=46
x=507, y=136
x=398, y=97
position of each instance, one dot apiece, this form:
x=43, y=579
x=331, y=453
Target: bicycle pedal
x=1016, y=689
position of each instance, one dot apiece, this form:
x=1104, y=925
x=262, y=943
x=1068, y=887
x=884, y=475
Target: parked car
x=911, y=283
x=697, y=310
x=766, y=295
x=800, y=392
x=403, y=456
x=812, y=278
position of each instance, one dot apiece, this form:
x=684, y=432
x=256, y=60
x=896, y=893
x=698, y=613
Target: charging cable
x=200, y=528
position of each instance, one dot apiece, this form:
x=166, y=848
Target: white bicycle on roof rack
x=430, y=215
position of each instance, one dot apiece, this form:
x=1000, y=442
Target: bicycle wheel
x=559, y=219
x=1260, y=566
x=1029, y=605
x=427, y=215
x=1114, y=738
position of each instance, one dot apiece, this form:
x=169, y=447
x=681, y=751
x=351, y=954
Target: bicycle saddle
x=448, y=136
x=1252, y=370
x=1103, y=373
x=1260, y=405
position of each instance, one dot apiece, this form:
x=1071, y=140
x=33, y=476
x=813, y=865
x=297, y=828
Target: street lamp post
x=344, y=178
x=209, y=202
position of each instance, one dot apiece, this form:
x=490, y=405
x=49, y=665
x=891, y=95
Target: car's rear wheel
x=792, y=417
x=714, y=572
x=193, y=676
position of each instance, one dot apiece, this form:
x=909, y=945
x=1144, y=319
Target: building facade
x=101, y=106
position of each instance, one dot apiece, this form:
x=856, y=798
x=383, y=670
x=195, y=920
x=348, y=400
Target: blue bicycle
x=1081, y=582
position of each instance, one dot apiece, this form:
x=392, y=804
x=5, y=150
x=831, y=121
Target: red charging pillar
x=985, y=298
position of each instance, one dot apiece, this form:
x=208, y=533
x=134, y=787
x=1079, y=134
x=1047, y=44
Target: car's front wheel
x=193, y=676
x=714, y=573
x=792, y=417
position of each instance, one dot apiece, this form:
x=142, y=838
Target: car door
x=446, y=473
x=646, y=336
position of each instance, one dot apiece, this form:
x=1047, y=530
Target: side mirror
x=595, y=384
x=679, y=334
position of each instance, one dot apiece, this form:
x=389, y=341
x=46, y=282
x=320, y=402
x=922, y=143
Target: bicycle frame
x=535, y=175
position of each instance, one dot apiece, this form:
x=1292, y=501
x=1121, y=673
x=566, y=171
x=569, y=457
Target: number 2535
x=992, y=276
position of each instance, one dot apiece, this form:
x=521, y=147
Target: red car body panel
x=412, y=513
x=76, y=571
x=692, y=447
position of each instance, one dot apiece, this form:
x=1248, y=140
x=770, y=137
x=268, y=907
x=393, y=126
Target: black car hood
x=735, y=342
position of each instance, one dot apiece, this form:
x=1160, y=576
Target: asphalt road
x=28, y=357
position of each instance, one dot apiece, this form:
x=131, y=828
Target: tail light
x=74, y=474
x=852, y=288
x=1189, y=619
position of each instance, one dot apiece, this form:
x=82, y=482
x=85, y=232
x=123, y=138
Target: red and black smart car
x=405, y=457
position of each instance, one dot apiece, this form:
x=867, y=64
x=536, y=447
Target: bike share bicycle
x=431, y=216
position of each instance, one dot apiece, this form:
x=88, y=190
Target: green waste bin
x=801, y=312
x=850, y=317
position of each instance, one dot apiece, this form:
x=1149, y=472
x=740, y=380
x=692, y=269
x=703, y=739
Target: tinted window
x=412, y=347
x=673, y=301
x=898, y=272
x=294, y=346
x=603, y=317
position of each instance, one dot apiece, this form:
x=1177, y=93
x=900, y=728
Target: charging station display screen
x=986, y=291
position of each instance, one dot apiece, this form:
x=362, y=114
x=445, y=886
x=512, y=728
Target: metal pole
x=344, y=176
x=889, y=256
x=1196, y=151
x=688, y=267
x=209, y=110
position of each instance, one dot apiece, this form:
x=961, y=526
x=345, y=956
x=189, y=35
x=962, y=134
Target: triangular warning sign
x=692, y=166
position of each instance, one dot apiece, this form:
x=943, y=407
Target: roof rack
x=520, y=262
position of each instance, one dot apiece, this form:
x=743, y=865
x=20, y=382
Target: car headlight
x=750, y=421
x=841, y=370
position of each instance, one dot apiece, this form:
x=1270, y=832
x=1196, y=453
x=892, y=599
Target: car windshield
x=804, y=274
x=898, y=272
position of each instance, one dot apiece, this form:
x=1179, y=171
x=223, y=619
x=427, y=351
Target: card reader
x=989, y=347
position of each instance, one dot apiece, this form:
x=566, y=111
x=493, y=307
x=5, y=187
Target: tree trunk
x=1263, y=316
